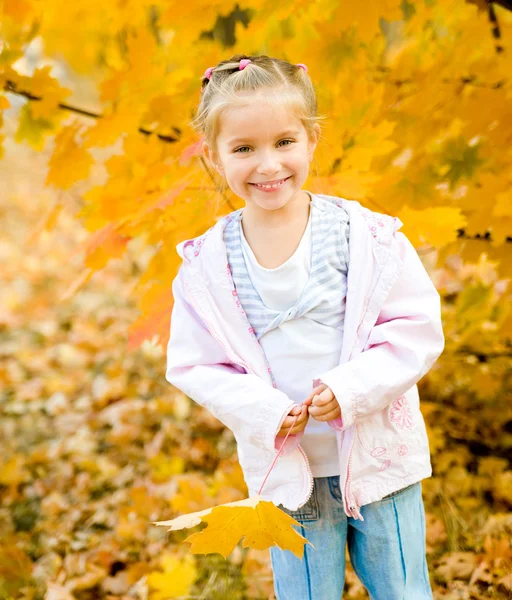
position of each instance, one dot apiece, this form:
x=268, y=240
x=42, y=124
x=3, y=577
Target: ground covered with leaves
x=96, y=445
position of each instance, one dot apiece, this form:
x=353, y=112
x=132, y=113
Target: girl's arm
x=403, y=345
x=199, y=367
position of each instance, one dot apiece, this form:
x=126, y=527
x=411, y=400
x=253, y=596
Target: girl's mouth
x=271, y=188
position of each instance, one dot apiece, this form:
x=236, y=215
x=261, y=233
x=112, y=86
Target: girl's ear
x=313, y=140
x=211, y=157
x=207, y=152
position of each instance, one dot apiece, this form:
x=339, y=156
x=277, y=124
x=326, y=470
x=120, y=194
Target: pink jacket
x=392, y=336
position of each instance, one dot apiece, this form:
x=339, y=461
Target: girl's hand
x=300, y=424
x=322, y=404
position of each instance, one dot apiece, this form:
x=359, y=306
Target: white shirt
x=299, y=347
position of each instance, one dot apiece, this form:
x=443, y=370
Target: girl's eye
x=244, y=147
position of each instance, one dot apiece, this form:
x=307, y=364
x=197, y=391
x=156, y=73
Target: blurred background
x=101, y=177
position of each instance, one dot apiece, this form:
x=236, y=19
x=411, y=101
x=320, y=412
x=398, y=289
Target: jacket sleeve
x=199, y=367
x=404, y=343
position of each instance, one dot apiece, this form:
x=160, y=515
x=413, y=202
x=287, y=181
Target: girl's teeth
x=276, y=185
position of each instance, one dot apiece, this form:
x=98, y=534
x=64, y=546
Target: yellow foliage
x=415, y=96
x=164, y=467
x=192, y=494
x=175, y=580
x=260, y=523
x=435, y=226
x=13, y=472
x=70, y=162
x=48, y=88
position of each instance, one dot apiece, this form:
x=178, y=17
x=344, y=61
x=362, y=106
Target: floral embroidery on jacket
x=400, y=413
x=376, y=223
x=402, y=450
x=197, y=242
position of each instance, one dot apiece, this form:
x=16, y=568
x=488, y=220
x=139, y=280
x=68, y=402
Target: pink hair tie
x=243, y=63
x=208, y=72
x=302, y=66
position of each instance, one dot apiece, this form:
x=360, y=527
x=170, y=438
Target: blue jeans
x=387, y=549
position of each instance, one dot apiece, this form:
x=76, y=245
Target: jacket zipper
x=311, y=479
x=351, y=506
x=234, y=358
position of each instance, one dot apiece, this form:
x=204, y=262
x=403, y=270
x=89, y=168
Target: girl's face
x=263, y=144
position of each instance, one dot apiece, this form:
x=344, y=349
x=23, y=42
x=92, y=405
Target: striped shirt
x=323, y=297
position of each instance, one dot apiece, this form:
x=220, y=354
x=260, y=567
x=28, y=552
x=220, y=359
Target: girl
x=309, y=315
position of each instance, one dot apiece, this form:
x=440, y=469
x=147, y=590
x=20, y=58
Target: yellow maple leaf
x=107, y=130
x=192, y=494
x=436, y=226
x=32, y=130
x=13, y=472
x=176, y=580
x=50, y=92
x=103, y=245
x=17, y=9
x=163, y=467
x=503, y=206
x=259, y=522
x=69, y=162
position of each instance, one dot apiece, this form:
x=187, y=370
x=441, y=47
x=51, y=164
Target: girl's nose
x=269, y=163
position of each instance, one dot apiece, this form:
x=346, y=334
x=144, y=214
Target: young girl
x=309, y=315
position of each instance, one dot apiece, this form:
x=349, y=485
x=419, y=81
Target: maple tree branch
x=10, y=87
x=496, y=33
x=466, y=80
x=483, y=237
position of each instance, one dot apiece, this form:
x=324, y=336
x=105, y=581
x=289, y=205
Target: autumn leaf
x=15, y=569
x=435, y=226
x=32, y=129
x=13, y=472
x=176, y=578
x=49, y=90
x=70, y=162
x=259, y=522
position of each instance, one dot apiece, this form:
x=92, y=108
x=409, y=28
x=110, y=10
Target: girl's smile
x=271, y=187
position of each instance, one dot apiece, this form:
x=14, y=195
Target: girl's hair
x=283, y=82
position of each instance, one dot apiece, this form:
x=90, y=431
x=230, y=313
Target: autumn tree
x=418, y=103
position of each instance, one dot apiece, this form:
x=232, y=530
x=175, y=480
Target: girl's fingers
x=315, y=391
x=288, y=422
x=323, y=399
x=298, y=426
x=332, y=414
x=322, y=409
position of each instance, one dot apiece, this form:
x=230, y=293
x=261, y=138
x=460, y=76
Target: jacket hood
x=382, y=227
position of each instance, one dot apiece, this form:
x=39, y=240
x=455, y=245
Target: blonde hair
x=286, y=84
